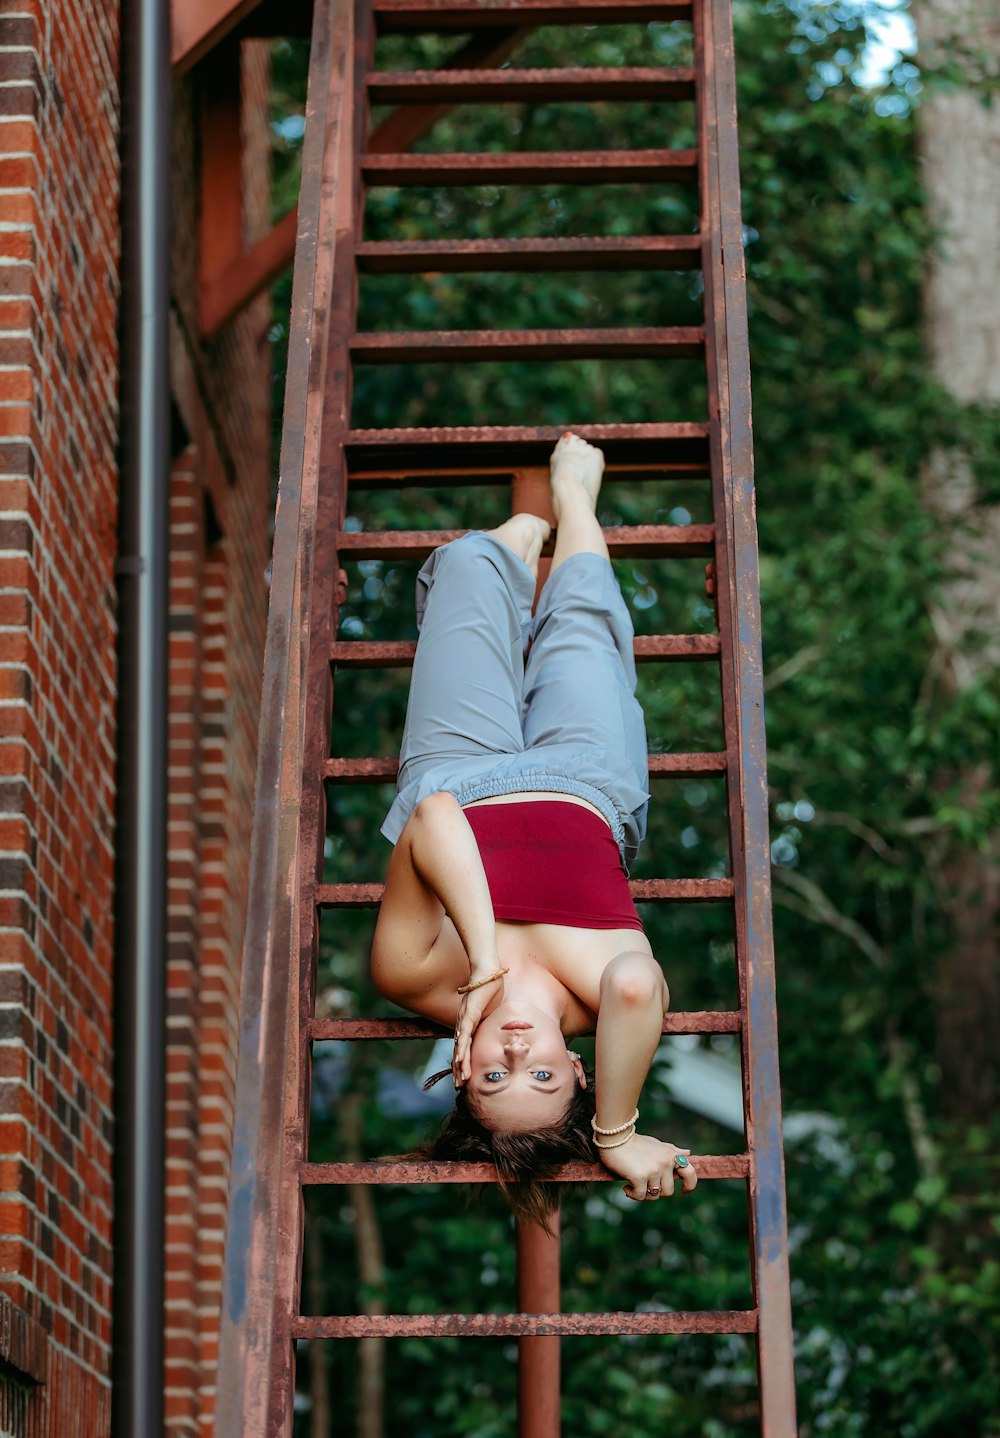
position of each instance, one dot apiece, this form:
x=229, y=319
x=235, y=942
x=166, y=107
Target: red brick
x=15, y=419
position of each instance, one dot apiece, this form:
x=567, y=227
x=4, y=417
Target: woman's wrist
x=613, y=1135
x=484, y=963
x=480, y=981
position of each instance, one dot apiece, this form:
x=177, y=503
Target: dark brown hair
x=523, y=1160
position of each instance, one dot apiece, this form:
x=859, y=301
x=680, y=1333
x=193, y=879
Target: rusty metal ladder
x=321, y=457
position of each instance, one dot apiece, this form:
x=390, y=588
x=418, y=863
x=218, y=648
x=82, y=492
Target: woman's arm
x=634, y=998
x=435, y=870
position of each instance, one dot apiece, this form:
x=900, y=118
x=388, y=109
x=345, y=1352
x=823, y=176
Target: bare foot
x=576, y=468
x=524, y=534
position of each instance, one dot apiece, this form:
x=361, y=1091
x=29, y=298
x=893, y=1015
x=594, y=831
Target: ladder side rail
x=344, y=209
x=257, y=1236
x=743, y=702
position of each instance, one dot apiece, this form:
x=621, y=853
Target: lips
x=516, y=1026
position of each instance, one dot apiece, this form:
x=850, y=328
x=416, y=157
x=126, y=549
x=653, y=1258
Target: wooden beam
x=197, y=26
x=242, y=281
x=220, y=209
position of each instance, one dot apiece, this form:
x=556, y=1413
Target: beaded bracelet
x=618, y=1141
x=480, y=983
x=610, y=1132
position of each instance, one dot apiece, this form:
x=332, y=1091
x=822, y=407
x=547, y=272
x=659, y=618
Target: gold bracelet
x=618, y=1141
x=480, y=983
x=610, y=1132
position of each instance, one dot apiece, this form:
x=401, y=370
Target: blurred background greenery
x=882, y=764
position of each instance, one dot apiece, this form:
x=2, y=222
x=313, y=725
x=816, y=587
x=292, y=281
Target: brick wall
x=219, y=552
x=58, y=489
x=59, y=256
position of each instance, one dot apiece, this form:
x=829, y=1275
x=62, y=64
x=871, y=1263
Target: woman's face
x=523, y=1077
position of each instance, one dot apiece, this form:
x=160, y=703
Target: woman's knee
x=635, y=979
x=469, y=551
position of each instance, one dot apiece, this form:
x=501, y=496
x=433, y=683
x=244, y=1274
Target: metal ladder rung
x=643, y=891
x=661, y=766
x=682, y=442
x=625, y=541
x=521, y=1325
x=532, y=167
x=466, y=87
x=584, y=252
x=698, y=1021
x=469, y=346
x=398, y=653
x=421, y=1170
x=395, y=17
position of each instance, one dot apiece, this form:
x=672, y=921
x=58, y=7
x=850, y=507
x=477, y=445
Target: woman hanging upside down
x=522, y=796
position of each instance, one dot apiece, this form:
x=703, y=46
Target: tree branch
x=816, y=905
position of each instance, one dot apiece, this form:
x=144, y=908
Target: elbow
x=635, y=981
x=435, y=807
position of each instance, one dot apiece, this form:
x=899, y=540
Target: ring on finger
x=652, y=1193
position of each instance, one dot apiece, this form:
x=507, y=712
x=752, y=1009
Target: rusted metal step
x=320, y=464
x=661, y=766
x=521, y=1325
x=643, y=891
x=441, y=447
x=467, y=346
x=394, y=17
x=445, y=475
x=417, y=1170
x=605, y=252
x=496, y=87
x=625, y=541
x=398, y=653
x=540, y=167
x=704, y=1021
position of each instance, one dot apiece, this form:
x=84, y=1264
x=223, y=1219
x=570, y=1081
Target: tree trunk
x=959, y=135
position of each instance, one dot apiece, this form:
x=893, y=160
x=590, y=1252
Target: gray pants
x=481, y=722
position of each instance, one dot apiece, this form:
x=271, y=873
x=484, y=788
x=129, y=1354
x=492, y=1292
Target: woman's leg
x=580, y=679
x=576, y=468
x=473, y=611
x=524, y=534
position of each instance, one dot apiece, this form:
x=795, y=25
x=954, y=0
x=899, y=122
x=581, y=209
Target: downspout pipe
x=140, y=846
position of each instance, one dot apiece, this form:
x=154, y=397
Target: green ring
x=680, y=1161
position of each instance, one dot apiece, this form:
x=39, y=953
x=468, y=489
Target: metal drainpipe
x=140, y=877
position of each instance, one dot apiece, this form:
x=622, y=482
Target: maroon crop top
x=552, y=862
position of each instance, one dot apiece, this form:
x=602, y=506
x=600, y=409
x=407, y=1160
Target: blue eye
x=543, y=1075
x=495, y=1076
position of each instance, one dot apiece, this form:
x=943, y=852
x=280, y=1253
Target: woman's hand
x=471, y=1010
x=647, y=1165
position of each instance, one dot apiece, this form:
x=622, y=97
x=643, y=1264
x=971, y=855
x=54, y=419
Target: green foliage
x=895, y=1292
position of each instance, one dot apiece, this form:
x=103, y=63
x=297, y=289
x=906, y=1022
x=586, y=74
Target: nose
x=515, y=1047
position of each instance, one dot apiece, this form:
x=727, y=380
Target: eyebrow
x=539, y=1088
